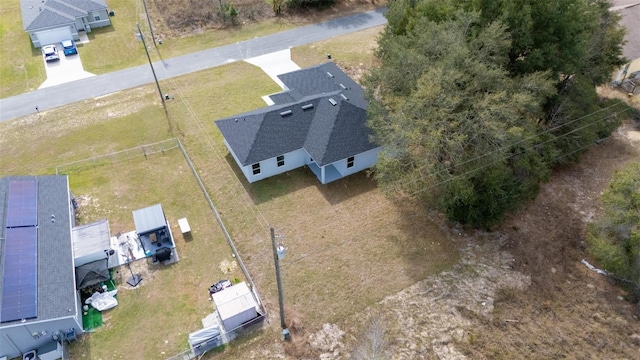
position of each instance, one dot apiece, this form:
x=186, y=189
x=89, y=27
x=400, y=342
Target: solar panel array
x=22, y=204
x=20, y=272
x=20, y=281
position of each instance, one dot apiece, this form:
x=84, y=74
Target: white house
x=39, y=305
x=51, y=21
x=319, y=121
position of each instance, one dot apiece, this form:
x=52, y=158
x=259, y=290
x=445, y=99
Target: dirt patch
x=425, y=320
x=519, y=291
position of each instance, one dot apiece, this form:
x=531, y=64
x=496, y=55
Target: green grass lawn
x=21, y=66
x=348, y=245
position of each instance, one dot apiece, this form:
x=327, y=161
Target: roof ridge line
x=63, y=2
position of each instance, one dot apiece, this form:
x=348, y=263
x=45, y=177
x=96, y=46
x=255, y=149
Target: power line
x=517, y=142
x=377, y=206
x=201, y=130
x=523, y=150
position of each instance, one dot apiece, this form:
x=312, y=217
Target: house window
x=256, y=168
x=350, y=161
x=280, y=160
x=96, y=17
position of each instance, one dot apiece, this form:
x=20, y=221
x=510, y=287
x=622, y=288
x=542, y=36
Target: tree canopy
x=473, y=108
x=615, y=237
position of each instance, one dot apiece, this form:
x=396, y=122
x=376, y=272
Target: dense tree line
x=475, y=101
x=615, y=238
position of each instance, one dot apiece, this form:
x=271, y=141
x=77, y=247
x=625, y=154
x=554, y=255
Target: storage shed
x=153, y=231
x=90, y=242
x=235, y=306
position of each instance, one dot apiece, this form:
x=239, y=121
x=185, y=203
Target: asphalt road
x=100, y=85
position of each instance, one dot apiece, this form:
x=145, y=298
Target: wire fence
x=147, y=151
x=119, y=156
x=223, y=228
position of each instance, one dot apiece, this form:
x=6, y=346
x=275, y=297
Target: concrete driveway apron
x=68, y=68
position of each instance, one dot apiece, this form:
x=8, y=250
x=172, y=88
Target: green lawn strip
x=114, y=47
x=341, y=49
x=21, y=65
x=37, y=143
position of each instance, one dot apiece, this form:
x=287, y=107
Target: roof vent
x=286, y=113
x=344, y=96
x=333, y=102
x=329, y=74
x=307, y=106
x=343, y=87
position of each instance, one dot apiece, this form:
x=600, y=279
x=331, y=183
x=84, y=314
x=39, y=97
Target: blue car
x=69, y=47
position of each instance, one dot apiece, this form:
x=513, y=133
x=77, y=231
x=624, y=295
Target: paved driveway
x=274, y=64
x=68, y=69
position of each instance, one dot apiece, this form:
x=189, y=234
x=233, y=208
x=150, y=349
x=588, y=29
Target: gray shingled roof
x=37, y=14
x=56, y=287
x=327, y=132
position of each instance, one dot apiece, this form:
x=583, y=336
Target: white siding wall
x=20, y=335
x=362, y=161
x=269, y=167
x=298, y=158
x=104, y=19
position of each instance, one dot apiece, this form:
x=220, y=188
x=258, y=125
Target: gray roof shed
x=149, y=219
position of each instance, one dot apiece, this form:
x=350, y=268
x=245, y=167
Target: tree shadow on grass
x=424, y=240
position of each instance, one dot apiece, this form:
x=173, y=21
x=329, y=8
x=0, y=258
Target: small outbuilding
x=153, y=231
x=235, y=305
x=91, y=242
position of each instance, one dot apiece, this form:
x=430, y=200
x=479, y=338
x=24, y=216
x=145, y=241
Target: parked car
x=69, y=47
x=219, y=286
x=50, y=53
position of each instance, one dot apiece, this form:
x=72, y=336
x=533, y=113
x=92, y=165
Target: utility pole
x=144, y=43
x=144, y=3
x=276, y=259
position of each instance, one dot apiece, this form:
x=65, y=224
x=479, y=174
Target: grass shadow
x=424, y=242
x=346, y=188
x=275, y=186
x=297, y=179
x=188, y=237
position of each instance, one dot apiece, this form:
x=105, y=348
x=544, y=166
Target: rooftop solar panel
x=22, y=204
x=20, y=278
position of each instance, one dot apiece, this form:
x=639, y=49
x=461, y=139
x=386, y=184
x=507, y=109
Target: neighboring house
x=51, y=21
x=318, y=121
x=39, y=305
x=629, y=75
